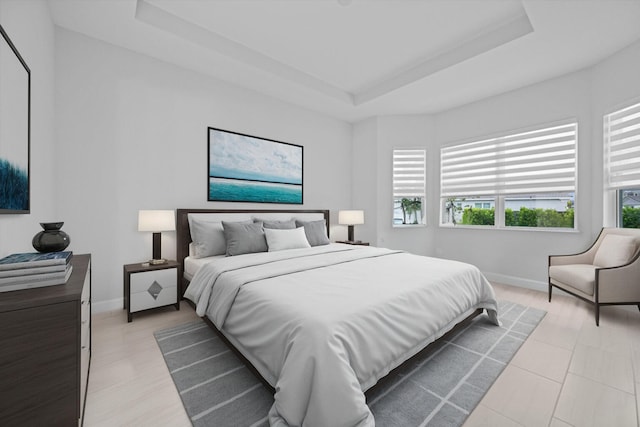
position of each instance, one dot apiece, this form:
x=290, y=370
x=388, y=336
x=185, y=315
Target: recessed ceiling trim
x=164, y=20
x=484, y=42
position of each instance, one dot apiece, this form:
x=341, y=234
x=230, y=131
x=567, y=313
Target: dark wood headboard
x=183, y=235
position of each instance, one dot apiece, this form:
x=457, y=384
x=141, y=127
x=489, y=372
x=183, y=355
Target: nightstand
x=355, y=242
x=149, y=286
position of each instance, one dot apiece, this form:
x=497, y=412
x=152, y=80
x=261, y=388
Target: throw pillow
x=615, y=250
x=281, y=239
x=244, y=237
x=316, y=232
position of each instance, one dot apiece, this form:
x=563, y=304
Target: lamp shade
x=350, y=217
x=156, y=221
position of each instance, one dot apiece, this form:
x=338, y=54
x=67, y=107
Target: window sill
x=409, y=225
x=527, y=229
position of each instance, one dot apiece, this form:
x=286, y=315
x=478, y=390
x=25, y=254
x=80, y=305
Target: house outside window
x=525, y=179
x=409, y=187
x=629, y=208
x=622, y=162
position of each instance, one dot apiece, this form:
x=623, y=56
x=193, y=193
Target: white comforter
x=324, y=324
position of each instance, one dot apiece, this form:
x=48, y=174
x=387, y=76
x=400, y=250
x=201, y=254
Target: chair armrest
x=619, y=284
x=583, y=258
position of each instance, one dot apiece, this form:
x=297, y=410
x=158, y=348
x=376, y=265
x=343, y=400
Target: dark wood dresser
x=45, y=350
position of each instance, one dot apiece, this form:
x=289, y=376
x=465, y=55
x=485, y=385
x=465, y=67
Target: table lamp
x=157, y=221
x=350, y=218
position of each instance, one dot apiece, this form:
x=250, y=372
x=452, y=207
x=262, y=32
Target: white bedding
x=193, y=264
x=324, y=324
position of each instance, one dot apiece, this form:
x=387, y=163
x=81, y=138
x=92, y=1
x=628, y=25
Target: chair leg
x=597, y=314
x=550, y=294
x=638, y=306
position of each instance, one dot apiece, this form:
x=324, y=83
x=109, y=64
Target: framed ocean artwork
x=245, y=168
x=15, y=112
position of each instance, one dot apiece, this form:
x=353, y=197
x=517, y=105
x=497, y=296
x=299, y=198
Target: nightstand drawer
x=141, y=282
x=151, y=289
x=154, y=298
x=150, y=286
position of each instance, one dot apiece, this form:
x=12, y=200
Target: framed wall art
x=245, y=168
x=15, y=106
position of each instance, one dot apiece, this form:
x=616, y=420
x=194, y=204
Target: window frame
x=615, y=187
x=394, y=183
x=620, y=205
x=499, y=205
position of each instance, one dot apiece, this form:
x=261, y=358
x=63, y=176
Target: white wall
x=373, y=143
x=29, y=26
x=615, y=85
x=364, y=178
x=521, y=257
x=132, y=134
x=115, y=132
x=514, y=257
x=585, y=95
x=412, y=131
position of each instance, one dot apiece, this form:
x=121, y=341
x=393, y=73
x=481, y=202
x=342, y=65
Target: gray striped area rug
x=440, y=386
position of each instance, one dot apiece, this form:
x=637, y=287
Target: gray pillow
x=244, y=237
x=278, y=225
x=316, y=232
x=207, y=237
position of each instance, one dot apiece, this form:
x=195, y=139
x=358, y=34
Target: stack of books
x=34, y=270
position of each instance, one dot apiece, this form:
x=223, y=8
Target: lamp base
x=157, y=261
x=350, y=233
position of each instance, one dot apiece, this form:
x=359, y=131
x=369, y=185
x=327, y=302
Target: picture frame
x=15, y=129
x=247, y=168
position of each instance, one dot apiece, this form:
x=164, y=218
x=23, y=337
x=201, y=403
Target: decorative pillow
x=316, y=232
x=278, y=225
x=281, y=239
x=207, y=236
x=244, y=237
x=615, y=250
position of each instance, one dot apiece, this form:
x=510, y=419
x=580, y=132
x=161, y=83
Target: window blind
x=409, y=173
x=622, y=147
x=537, y=161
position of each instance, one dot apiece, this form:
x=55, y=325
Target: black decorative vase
x=51, y=239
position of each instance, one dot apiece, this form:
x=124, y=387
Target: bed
x=321, y=323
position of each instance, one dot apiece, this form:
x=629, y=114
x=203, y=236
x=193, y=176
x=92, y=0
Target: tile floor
x=568, y=373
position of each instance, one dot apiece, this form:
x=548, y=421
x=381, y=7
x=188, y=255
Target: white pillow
x=615, y=250
x=207, y=236
x=278, y=240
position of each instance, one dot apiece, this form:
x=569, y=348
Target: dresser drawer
x=85, y=356
x=86, y=288
x=85, y=311
x=85, y=314
x=43, y=365
x=85, y=334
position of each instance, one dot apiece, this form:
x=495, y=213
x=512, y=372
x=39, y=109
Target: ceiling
x=353, y=59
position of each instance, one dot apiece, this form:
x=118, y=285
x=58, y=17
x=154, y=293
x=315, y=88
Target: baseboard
x=110, y=305
x=516, y=281
x=532, y=284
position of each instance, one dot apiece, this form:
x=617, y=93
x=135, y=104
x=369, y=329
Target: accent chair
x=608, y=273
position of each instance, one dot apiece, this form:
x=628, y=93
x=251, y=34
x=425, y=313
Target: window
x=527, y=179
x=409, y=185
x=629, y=208
x=622, y=162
